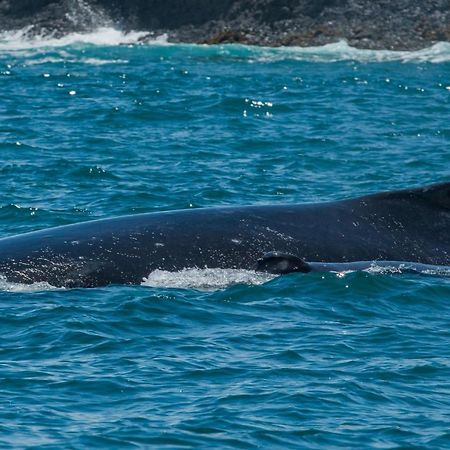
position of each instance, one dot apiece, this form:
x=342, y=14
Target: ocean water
x=94, y=126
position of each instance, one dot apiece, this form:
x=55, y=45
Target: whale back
x=409, y=225
x=435, y=195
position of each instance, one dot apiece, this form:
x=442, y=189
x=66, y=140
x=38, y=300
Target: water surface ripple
x=317, y=361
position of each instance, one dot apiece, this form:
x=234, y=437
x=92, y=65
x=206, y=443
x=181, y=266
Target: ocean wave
x=381, y=269
x=215, y=279
x=219, y=279
x=21, y=40
x=70, y=59
x=341, y=51
x=105, y=36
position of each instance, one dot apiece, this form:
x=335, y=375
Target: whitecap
x=102, y=62
x=24, y=39
x=104, y=36
x=342, y=51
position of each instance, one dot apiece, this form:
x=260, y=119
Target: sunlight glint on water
x=90, y=129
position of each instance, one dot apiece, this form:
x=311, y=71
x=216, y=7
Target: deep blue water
x=318, y=361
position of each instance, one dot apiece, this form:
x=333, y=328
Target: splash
x=104, y=36
x=205, y=279
x=83, y=16
x=107, y=35
x=405, y=268
x=337, y=52
x=401, y=268
x=8, y=286
x=341, y=51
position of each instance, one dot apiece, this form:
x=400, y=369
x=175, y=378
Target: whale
x=402, y=226
x=282, y=263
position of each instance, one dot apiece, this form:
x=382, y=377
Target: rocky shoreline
x=376, y=24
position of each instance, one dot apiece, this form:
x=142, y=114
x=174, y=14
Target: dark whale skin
x=409, y=225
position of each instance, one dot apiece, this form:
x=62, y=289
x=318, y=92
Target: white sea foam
x=8, y=286
x=22, y=40
x=341, y=51
x=104, y=36
x=64, y=57
x=102, y=62
x=401, y=268
x=205, y=279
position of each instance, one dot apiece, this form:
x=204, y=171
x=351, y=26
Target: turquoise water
x=219, y=360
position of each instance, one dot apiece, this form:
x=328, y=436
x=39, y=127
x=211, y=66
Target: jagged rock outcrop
x=402, y=24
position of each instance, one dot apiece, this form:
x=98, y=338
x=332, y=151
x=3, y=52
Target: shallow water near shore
x=205, y=359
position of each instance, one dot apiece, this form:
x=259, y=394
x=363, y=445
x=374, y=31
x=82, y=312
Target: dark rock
x=403, y=24
x=227, y=37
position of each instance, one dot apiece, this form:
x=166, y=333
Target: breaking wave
x=20, y=40
x=104, y=36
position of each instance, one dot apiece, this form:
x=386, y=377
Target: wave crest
x=18, y=40
x=104, y=36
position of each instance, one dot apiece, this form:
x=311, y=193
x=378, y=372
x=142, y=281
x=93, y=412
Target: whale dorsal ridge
x=435, y=194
